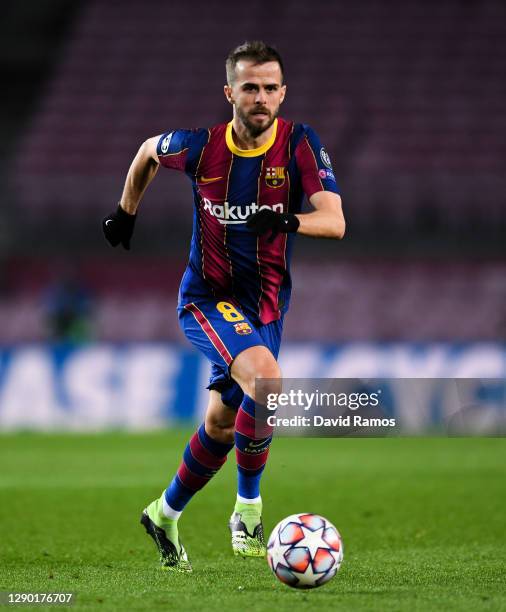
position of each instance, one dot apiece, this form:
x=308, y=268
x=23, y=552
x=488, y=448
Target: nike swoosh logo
x=203, y=179
x=108, y=221
x=251, y=445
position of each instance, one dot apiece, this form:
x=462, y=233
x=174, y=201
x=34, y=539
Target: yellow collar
x=250, y=152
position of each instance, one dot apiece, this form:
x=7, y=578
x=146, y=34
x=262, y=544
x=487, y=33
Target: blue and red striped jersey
x=229, y=184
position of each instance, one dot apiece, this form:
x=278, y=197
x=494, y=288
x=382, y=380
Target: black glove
x=119, y=227
x=278, y=223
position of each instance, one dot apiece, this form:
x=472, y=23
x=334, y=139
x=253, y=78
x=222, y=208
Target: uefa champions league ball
x=304, y=551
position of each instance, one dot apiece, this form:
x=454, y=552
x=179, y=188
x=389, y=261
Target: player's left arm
x=319, y=184
x=314, y=170
x=327, y=220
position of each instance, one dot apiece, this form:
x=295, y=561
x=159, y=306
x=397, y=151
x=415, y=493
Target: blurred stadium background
x=410, y=101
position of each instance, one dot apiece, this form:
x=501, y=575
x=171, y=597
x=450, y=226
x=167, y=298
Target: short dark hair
x=255, y=51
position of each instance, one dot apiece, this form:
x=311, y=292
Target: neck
x=243, y=138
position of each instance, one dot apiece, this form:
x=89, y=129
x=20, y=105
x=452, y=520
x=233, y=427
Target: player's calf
x=252, y=440
x=258, y=373
x=202, y=458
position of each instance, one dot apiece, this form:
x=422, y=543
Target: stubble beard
x=254, y=130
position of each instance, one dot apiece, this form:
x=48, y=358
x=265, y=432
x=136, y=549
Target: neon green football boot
x=163, y=530
x=247, y=530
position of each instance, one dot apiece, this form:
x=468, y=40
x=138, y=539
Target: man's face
x=256, y=93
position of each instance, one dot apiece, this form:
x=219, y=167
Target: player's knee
x=220, y=429
x=266, y=379
x=268, y=370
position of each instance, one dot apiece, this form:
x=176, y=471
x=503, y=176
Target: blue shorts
x=221, y=331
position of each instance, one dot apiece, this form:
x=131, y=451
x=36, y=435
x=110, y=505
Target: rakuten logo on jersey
x=227, y=214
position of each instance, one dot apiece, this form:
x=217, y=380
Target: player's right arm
x=118, y=226
x=140, y=174
x=178, y=150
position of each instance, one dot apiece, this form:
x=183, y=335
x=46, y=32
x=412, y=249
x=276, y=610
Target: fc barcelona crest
x=275, y=177
x=243, y=328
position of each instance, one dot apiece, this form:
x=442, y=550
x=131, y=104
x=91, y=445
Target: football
x=304, y=551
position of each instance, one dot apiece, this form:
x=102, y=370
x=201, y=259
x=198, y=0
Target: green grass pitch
x=423, y=523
